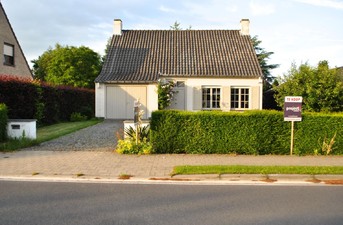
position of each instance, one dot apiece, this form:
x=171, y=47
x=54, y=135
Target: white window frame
x=240, y=100
x=211, y=97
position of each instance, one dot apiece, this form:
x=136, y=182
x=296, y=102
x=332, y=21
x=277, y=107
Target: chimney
x=117, y=27
x=245, y=26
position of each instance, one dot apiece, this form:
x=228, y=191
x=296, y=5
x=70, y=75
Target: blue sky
x=296, y=31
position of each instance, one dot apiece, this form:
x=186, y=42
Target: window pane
x=180, y=83
x=211, y=98
x=240, y=98
x=8, y=50
x=8, y=54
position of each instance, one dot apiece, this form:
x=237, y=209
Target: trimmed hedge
x=3, y=122
x=251, y=132
x=27, y=99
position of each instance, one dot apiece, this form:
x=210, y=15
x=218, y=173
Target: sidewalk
x=106, y=165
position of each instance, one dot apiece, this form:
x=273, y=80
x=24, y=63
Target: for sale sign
x=292, y=108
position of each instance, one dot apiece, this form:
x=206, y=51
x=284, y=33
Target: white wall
x=100, y=100
x=192, y=83
x=152, y=99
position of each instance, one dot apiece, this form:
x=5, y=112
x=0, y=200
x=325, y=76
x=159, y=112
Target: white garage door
x=120, y=100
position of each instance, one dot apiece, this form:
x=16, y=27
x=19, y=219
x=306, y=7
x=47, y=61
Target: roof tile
x=144, y=55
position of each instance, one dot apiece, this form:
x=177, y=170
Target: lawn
x=47, y=133
x=241, y=169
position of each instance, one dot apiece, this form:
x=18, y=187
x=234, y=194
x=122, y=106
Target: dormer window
x=8, y=54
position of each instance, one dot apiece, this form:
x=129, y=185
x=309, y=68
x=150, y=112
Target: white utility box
x=18, y=128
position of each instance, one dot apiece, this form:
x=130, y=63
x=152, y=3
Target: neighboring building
x=212, y=70
x=13, y=60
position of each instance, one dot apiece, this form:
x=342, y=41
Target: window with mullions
x=211, y=98
x=240, y=98
x=8, y=55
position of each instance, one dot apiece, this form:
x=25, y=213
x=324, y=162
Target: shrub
x=3, y=122
x=77, y=117
x=27, y=99
x=143, y=133
x=251, y=132
x=20, y=96
x=128, y=146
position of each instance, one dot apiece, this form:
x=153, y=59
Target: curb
x=207, y=179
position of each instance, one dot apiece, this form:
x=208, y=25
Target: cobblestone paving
x=100, y=137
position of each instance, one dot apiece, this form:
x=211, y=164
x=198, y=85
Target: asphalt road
x=84, y=203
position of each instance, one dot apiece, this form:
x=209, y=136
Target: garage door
x=120, y=100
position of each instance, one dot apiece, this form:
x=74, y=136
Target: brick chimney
x=117, y=28
x=245, y=26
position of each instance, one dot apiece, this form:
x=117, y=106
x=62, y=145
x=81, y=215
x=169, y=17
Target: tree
x=107, y=49
x=320, y=87
x=263, y=56
x=177, y=26
x=68, y=65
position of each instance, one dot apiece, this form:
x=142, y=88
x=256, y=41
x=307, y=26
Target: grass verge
x=47, y=133
x=241, y=169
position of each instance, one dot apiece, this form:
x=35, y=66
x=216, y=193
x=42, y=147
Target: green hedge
x=27, y=99
x=251, y=132
x=3, y=122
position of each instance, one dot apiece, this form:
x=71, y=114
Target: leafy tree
x=320, y=87
x=107, y=49
x=263, y=56
x=177, y=26
x=68, y=65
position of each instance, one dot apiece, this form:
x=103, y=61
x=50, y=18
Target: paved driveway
x=101, y=136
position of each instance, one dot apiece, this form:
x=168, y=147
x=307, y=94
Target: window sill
x=6, y=64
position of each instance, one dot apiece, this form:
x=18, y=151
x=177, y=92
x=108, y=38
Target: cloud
x=166, y=9
x=324, y=3
x=261, y=9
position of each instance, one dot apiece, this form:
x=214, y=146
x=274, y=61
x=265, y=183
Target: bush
x=251, y=132
x=128, y=146
x=3, y=122
x=20, y=96
x=27, y=99
x=143, y=133
x=77, y=117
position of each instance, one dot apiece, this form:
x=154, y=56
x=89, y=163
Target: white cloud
x=261, y=9
x=166, y=9
x=324, y=3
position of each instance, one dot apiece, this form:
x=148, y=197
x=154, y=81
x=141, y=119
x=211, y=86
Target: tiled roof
x=144, y=55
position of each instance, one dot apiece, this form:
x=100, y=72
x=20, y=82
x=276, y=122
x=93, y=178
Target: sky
x=297, y=31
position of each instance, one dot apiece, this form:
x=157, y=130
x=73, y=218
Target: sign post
x=292, y=112
x=136, y=118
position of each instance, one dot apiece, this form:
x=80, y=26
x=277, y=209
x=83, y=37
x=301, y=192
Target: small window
x=211, y=98
x=180, y=84
x=8, y=54
x=240, y=98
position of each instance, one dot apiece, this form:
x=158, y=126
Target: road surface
x=33, y=203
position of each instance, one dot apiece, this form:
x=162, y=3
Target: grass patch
x=47, y=133
x=241, y=169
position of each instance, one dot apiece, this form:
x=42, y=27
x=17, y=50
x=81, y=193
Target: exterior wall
x=20, y=68
x=193, y=86
x=152, y=99
x=100, y=100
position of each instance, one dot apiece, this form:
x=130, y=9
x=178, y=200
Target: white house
x=212, y=70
